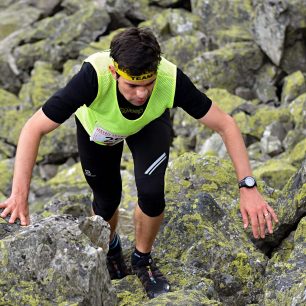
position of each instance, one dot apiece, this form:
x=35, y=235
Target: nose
x=141, y=92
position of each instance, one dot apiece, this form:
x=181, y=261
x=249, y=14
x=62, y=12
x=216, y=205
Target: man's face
x=136, y=92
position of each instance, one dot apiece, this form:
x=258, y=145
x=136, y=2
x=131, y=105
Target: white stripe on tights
x=156, y=164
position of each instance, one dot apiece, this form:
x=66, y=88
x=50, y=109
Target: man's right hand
x=17, y=209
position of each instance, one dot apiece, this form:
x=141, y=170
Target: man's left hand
x=255, y=210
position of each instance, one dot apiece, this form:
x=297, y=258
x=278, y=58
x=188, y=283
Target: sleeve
x=81, y=89
x=189, y=98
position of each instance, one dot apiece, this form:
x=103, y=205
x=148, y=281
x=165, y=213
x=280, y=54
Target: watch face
x=249, y=181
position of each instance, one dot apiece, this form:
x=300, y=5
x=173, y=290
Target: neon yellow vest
x=103, y=119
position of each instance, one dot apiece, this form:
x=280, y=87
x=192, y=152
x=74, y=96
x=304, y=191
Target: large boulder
x=228, y=67
x=285, y=273
x=54, y=261
x=221, y=16
x=270, y=23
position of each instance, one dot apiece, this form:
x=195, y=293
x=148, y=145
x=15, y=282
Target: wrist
x=247, y=182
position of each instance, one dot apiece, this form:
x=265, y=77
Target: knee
x=105, y=209
x=151, y=204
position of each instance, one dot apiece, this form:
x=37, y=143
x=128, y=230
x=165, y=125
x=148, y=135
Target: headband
x=124, y=74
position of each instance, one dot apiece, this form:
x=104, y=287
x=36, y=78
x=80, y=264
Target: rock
x=298, y=153
x=270, y=23
x=8, y=101
x=11, y=22
x=43, y=84
x=224, y=99
x=102, y=44
x=275, y=172
x=196, y=207
x=294, y=85
x=62, y=37
x=285, y=276
x=244, y=93
x=53, y=261
x=298, y=110
x=180, y=49
x=271, y=142
x=239, y=60
x=255, y=125
x=6, y=170
x=97, y=230
x=214, y=145
x=71, y=203
x=220, y=16
x=297, y=13
x=294, y=58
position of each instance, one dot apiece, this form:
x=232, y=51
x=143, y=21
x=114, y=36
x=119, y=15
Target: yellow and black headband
x=129, y=77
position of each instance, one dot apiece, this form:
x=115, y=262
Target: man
x=126, y=94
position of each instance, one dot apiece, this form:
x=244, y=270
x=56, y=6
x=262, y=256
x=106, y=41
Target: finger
x=255, y=224
x=262, y=224
x=273, y=214
x=267, y=216
x=13, y=217
x=3, y=204
x=5, y=212
x=245, y=218
x=23, y=220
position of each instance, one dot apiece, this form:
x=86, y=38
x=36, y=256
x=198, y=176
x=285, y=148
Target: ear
x=112, y=70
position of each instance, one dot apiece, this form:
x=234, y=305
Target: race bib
x=101, y=135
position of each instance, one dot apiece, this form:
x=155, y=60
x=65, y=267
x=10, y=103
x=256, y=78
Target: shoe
x=153, y=281
x=116, y=266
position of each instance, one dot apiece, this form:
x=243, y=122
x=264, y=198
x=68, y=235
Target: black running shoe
x=153, y=281
x=116, y=266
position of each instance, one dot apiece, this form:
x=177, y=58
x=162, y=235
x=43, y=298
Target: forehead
x=139, y=83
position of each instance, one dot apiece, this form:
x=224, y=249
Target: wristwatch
x=248, y=182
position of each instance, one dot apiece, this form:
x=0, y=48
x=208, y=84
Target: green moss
x=12, y=124
x=102, y=44
x=6, y=170
x=241, y=266
x=225, y=100
x=298, y=153
x=300, y=197
x=297, y=108
x=8, y=100
x=43, y=83
x=265, y=116
x=4, y=254
x=294, y=85
x=275, y=172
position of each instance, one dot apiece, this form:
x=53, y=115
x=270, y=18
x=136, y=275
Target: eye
x=132, y=86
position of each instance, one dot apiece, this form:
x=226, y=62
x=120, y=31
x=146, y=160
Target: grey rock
x=294, y=85
x=271, y=141
x=97, y=230
x=294, y=58
x=219, y=16
x=214, y=145
x=239, y=60
x=54, y=261
x=10, y=21
x=285, y=274
x=270, y=22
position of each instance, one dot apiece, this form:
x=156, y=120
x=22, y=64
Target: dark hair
x=136, y=51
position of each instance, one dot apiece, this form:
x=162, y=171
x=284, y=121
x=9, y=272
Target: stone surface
x=270, y=23
x=202, y=248
x=53, y=261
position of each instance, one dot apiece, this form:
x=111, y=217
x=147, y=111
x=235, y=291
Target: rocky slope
x=250, y=58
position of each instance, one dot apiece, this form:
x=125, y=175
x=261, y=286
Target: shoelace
x=152, y=279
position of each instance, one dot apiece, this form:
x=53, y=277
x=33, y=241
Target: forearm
x=25, y=160
x=236, y=149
